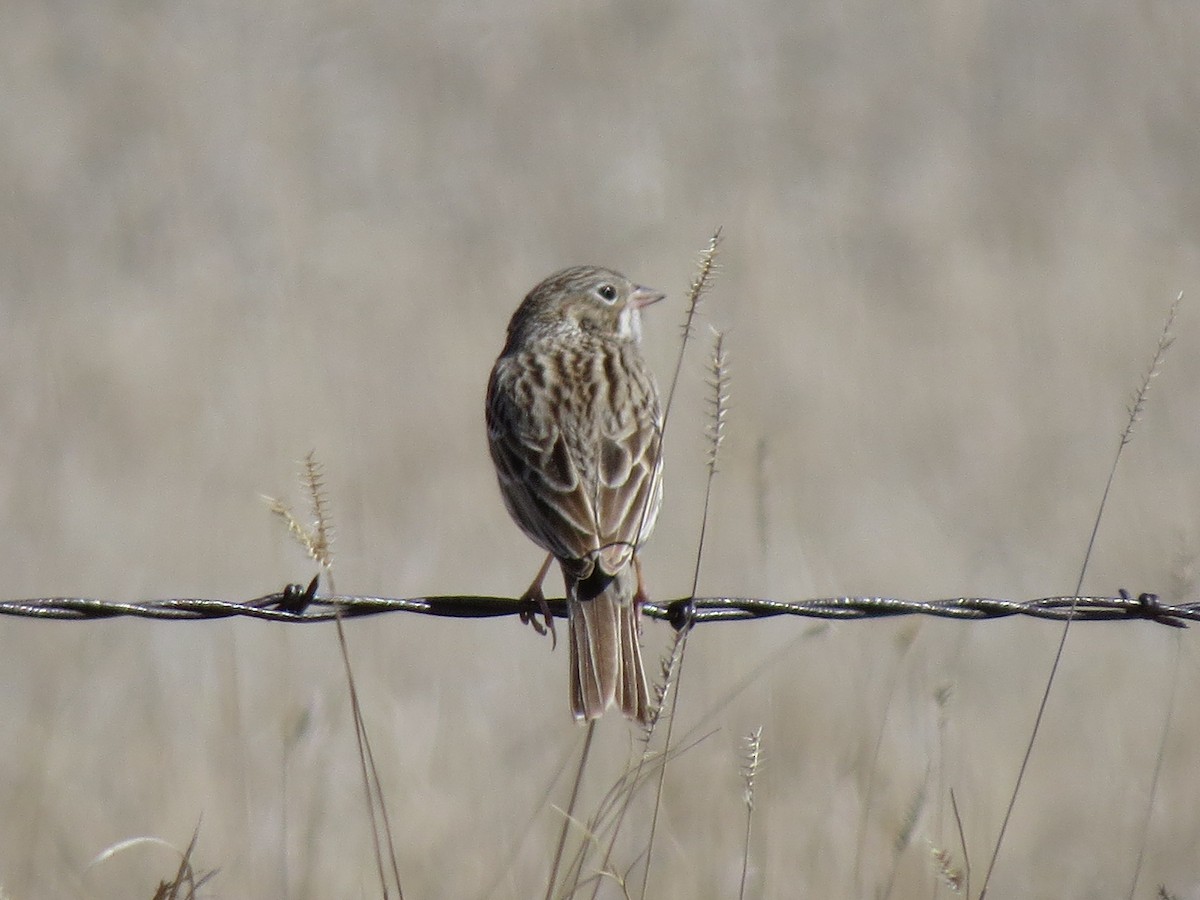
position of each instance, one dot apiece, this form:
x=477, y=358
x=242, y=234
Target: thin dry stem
x=317, y=540
x=1168, y=719
x=676, y=658
x=1135, y=411
x=660, y=691
x=372, y=787
x=699, y=286
x=720, y=385
x=612, y=808
x=668, y=666
x=1183, y=584
x=185, y=879
x=570, y=811
x=962, y=842
x=706, y=272
x=718, y=407
x=941, y=698
x=184, y=876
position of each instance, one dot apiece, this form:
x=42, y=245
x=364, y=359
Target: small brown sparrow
x=575, y=429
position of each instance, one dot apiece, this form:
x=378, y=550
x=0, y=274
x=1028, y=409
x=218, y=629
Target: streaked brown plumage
x=575, y=429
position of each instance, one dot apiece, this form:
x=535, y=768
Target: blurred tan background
x=232, y=233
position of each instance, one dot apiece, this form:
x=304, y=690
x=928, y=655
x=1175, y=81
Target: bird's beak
x=644, y=296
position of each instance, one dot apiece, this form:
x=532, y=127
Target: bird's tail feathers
x=606, y=657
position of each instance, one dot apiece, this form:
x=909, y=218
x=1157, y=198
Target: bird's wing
x=539, y=474
x=581, y=486
x=629, y=485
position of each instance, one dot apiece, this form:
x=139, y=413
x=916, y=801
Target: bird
x=574, y=429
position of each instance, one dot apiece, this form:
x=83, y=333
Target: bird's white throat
x=629, y=324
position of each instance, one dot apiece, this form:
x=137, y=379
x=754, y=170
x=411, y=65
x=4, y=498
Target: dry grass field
x=234, y=233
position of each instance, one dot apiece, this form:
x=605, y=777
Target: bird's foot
x=534, y=597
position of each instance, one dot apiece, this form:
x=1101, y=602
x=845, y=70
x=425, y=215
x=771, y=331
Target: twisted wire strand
x=297, y=603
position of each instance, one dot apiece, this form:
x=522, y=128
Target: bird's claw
x=529, y=616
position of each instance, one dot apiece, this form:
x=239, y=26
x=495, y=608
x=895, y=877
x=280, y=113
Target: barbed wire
x=298, y=603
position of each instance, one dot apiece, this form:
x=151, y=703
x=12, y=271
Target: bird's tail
x=606, y=659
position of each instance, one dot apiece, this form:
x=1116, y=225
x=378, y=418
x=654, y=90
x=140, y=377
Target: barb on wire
x=299, y=603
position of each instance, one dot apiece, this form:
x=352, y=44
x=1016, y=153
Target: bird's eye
x=607, y=293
